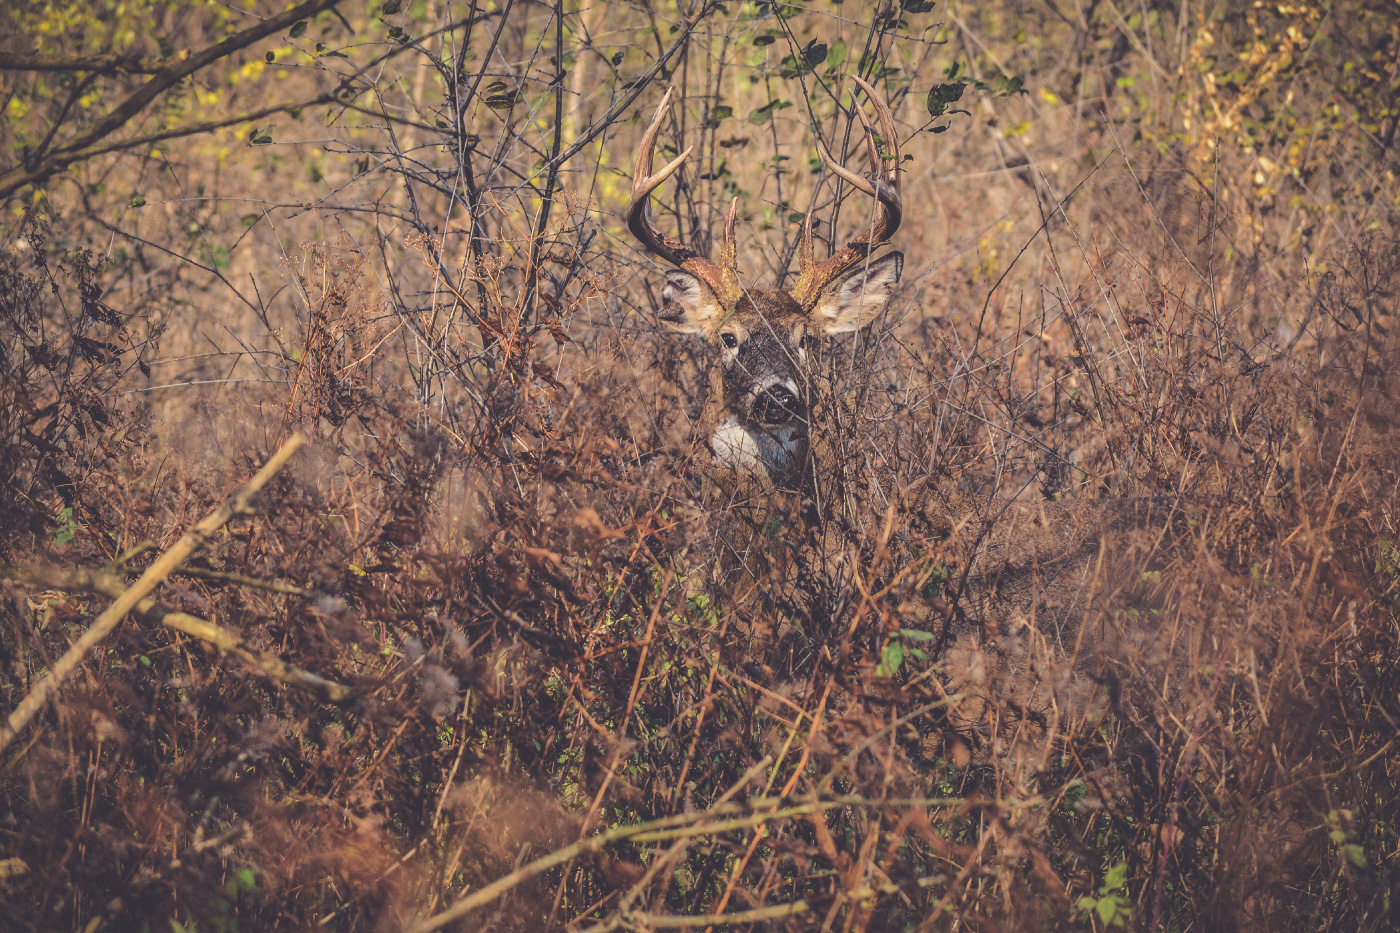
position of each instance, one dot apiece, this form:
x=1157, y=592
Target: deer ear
x=852, y=302
x=687, y=304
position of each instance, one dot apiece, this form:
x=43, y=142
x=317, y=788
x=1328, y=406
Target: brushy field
x=493, y=650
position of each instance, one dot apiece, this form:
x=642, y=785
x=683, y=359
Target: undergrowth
x=498, y=625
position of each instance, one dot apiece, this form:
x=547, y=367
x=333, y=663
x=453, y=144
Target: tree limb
x=163, y=80
x=100, y=64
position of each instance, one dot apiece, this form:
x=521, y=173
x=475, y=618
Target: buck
x=1028, y=566
x=756, y=419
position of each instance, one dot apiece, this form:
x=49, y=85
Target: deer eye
x=729, y=340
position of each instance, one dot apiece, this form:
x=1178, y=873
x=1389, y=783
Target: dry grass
x=580, y=672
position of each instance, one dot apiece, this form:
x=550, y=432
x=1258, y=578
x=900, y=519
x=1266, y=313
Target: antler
x=814, y=276
x=723, y=279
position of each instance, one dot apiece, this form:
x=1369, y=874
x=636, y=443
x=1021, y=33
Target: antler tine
x=877, y=166
x=729, y=245
x=884, y=188
x=887, y=128
x=644, y=183
x=723, y=279
x=806, y=253
x=886, y=185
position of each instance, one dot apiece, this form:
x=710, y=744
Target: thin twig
x=286, y=589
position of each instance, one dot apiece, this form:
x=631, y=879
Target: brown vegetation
x=493, y=651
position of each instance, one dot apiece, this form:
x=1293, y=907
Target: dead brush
x=483, y=314
x=602, y=697
x=65, y=355
x=341, y=327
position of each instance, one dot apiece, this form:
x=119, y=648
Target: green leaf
x=890, y=659
x=1355, y=854
x=145, y=661
x=914, y=634
x=719, y=113
x=1006, y=85
x=1107, y=909
x=812, y=55
x=766, y=38
x=761, y=115
x=138, y=201
x=617, y=58
x=270, y=57
x=836, y=54
x=503, y=102
x=1116, y=877
x=495, y=87
x=298, y=29
x=391, y=7
x=916, y=6
x=941, y=95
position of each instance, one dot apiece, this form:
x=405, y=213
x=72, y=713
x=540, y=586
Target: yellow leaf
x=1018, y=129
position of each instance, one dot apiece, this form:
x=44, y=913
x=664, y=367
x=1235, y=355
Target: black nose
x=775, y=405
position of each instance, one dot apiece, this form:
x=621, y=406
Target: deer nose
x=775, y=405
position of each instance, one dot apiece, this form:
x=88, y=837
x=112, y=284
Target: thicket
x=493, y=651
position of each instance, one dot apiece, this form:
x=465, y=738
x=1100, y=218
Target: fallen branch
x=286, y=589
x=106, y=583
x=163, y=566
x=755, y=812
x=645, y=921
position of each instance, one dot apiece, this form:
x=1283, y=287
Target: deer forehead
x=766, y=313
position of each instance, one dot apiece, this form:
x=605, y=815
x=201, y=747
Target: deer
x=1031, y=566
x=755, y=422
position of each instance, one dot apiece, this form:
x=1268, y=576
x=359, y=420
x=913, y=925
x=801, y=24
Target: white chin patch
x=749, y=450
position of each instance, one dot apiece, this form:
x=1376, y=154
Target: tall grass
x=590, y=688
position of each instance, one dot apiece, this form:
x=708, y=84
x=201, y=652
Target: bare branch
x=100, y=64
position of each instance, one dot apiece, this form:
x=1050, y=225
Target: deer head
x=757, y=417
